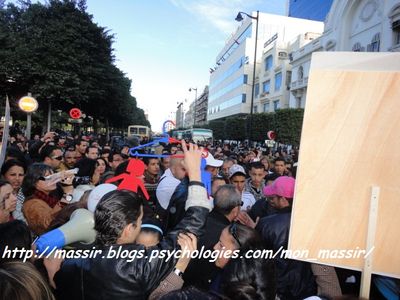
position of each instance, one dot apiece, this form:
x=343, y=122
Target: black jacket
x=106, y=278
x=200, y=272
x=295, y=279
x=34, y=150
x=261, y=209
x=176, y=207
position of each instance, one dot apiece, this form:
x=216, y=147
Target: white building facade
x=189, y=116
x=351, y=25
x=301, y=61
x=231, y=80
x=274, y=82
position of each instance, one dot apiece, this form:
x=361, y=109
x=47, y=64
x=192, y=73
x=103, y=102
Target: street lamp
x=239, y=18
x=195, y=100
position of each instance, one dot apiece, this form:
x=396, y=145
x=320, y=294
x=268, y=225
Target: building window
x=268, y=63
x=330, y=46
x=300, y=73
x=255, y=109
x=394, y=16
x=396, y=32
x=357, y=47
x=256, y=89
x=278, y=81
x=266, y=86
x=276, y=105
x=288, y=79
x=266, y=107
x=375, y=43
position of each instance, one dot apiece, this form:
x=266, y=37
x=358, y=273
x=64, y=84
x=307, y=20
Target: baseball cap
x=282, y=186
x=211, y=161
x=236, y=169
x=97, y=193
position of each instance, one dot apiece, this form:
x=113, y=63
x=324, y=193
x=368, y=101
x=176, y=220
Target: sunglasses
x=233, y=232
x=58, y=157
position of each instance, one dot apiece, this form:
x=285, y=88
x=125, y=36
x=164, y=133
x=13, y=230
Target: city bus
x=139, y=130
x=197, y=135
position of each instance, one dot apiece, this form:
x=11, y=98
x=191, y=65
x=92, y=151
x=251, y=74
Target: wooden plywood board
x=350, y=142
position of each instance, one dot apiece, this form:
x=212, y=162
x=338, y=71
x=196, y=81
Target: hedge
x=287, y=124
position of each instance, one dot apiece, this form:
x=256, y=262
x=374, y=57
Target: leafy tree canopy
x=56, y=52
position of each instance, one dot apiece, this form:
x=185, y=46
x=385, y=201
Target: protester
x=165, y=163
x=237, y=177
x=118, y=218
x=8, y=201
x=41, y=203
x=19, y=280
x=169, y=181
x=105, y=153
x=115, y=159
x=266, y=163
x=227, y=204
x=212, y=164
x=257, y=199
x=51, y=156
x=227, y=164
x=101, y=168
x=80, y=148
x=189, y=293
x=256, y=183
x=279, y=170
x=151, y=178
x=216, y=182
x=274, y=230
x=14, y=235
x=13, y=171
x=240, y=277
x=150, y=233
x=69, y=160
x=37, y=145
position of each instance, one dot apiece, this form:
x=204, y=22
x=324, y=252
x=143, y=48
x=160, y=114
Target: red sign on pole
x=75, y=113
x=271, y=135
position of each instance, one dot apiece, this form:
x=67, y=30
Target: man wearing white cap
x=237, y=176
x=213, y=164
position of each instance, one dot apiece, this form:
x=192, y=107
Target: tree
x=262, y=123
x=235, y=128
x=56, y=52
x=287, y=123
x=218, y=128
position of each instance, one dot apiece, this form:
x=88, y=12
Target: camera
x=81, y=180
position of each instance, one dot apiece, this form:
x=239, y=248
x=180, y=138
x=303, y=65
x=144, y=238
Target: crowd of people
x=247, y=208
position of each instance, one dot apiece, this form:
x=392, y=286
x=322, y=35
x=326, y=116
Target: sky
x=167, y=46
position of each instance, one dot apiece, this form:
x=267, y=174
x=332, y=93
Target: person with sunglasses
x=51, y=156
x=42, y=199
x=241, y=276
